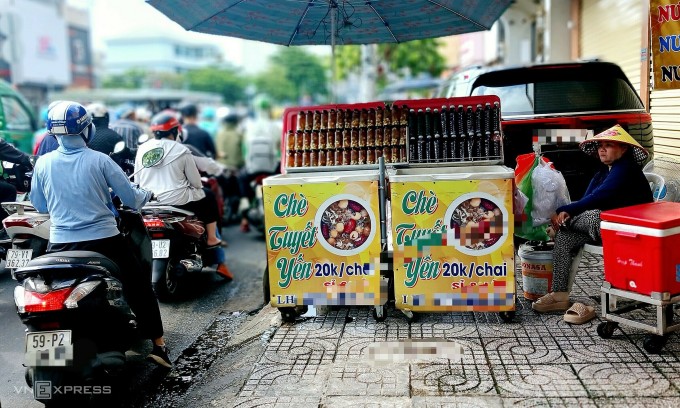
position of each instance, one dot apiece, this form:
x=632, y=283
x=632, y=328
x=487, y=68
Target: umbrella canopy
x=317, y=22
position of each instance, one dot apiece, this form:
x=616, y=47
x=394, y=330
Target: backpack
x=260, y=147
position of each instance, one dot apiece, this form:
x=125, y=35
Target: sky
x=122, y=18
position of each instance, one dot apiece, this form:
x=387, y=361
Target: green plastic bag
x=524, y=228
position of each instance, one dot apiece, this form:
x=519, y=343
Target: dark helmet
x=164, y=124
x=67, y=118
x=189, y=110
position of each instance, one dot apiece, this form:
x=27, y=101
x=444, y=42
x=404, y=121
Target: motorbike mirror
x=143, y=138
x=153, y=157
x=119, y=147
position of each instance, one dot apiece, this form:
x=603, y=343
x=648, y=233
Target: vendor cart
x=450, y=208
x=641, y=269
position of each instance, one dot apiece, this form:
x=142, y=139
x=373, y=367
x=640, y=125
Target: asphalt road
x=209, y=297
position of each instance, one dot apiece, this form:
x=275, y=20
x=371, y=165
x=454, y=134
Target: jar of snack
x=348, y=119
x=305, y=158
x=290, y=140
x=379, y=136
x=394, y=154
x=322, y=140
x=362, y=138
x=402, y=135
x=378, y=153
x=331, y=120
x=387, y=116
x=355, y=118
x=309, y=120
x=316, y=121
x=354, y=138
x=370, y=155
x=387, y=154
x=346, y=157
x=396, y=115
x=394, y=136
x=324, y=120
x=346, y=139
x=291, y=158
x=298, y=140
x=403, y=115
x=330, y=157
x=402, y=153
x=313, y=158
x=340, y=119
x=354, y=157
x=337, y=157
x=370, y=120
x=306, y=139
x=314, y=140
x=370, y=137
x=322, y=158
x=301, y=116
x=378, y=116
x=337, y=139
x=298, y=158
x=362, y=156
x=363, y=119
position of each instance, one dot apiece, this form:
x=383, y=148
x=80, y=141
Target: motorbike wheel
x=51, y=378
x=170, y=286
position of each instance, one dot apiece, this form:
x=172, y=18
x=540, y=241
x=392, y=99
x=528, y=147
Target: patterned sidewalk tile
x=325, y=325
x=518, y=330
x=359, y=378
x=363, y=402
x=297, y=348
x=268, y=402
x=670, y=371
x=544, y=381
x=444, y=326
x=646, y=402
x=563, y=402
x=451, y=379
x=275, y=380
x=529, y=350
x=624, y=379
x=363, y=324
x=478, y=401
x=587, y=349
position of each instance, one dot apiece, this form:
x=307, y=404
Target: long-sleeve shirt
x=175, y=179
x=621, y=186
x=73, y=187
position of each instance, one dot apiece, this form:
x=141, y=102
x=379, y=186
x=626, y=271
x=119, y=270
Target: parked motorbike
x=78, y=322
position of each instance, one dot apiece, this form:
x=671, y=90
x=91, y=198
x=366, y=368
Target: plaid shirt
x=129, y=129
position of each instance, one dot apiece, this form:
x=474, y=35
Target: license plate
x=18, y=258
x=160, y=248
x=49, y=348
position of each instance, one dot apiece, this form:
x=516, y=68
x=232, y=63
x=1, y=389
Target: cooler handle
x=627, y=234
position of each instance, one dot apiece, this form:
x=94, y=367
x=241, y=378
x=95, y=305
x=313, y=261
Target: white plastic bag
x=550, y=192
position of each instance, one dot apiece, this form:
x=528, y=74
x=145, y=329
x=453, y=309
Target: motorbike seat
x=75, y=258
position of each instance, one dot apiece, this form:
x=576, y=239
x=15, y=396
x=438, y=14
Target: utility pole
x=368, y=72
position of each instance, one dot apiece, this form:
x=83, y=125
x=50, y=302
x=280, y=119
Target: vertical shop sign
x=665, y=29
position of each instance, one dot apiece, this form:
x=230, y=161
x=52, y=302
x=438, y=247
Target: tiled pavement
x=537, y=360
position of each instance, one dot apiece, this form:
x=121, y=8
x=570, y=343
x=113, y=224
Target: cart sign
x=323, y=241
x=665, y=22
x=453, y=247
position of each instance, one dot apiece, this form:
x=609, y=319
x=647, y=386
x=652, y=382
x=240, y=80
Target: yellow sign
x=323, y=243
x=453, y=246
x=665, y=24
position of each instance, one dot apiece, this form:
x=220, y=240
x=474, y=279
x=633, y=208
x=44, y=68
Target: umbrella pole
x=334, y=8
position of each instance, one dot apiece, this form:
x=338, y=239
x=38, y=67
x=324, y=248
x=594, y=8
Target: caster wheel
x=507, y=317
x=606, y=329
x=653, y=343
x=379, y=317
x=300, y=310
x=288, y=314
x=411, y=317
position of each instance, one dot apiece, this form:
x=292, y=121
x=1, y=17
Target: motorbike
x=255, y=211
x=78, y=322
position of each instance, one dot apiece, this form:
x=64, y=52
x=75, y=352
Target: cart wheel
x=300, y=310
x=669, y=315
x=507, y=316
x=606, y=329
x=288, y=314
x=265, y=286
x=411, y=316
x=653, y=343
x=379, y=316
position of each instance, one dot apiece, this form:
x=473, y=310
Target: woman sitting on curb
x=620, y=183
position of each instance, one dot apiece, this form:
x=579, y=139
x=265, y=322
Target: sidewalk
x=538, y=360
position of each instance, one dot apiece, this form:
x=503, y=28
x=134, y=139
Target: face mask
x=71, y=142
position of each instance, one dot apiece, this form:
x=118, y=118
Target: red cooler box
x=641, y=246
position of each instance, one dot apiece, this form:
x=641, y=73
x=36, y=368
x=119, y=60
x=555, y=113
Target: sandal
x=548, y=303
x=579, y=313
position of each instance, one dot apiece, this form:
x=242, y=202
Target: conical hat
x=616, y=134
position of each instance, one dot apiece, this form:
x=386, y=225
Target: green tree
x=130, y=79
x=415, y=57
x=292, y=74
x=225, y=81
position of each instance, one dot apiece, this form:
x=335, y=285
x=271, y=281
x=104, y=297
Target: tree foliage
x=225, y=81
x=130, y=79
x=292, y=74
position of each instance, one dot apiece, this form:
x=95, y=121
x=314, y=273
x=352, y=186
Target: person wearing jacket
x=175, y=180
x=73, y=185
x=11, y=154
x=105, y=138
x=620, y=183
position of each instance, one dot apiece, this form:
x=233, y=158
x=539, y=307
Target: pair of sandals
x=577, y=313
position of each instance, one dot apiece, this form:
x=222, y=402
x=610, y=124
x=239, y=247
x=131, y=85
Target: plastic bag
x=550, y=192
x=524, y=228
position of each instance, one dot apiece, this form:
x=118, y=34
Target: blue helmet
x=67, y=118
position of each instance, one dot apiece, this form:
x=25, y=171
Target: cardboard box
x=641, y=246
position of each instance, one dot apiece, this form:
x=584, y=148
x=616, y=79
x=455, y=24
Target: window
x=16, y=116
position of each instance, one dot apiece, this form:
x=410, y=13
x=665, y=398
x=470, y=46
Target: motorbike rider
x=196, y=136
x=175, y=179
x=7, y=191
x=105, y=139
x=72, y=184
